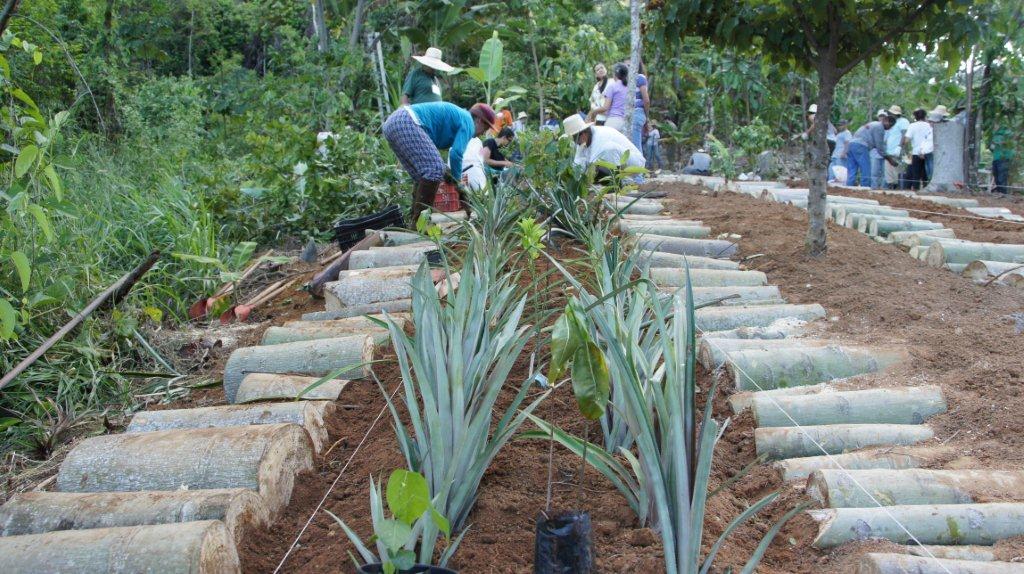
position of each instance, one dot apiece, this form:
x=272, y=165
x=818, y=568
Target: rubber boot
x=422, y=198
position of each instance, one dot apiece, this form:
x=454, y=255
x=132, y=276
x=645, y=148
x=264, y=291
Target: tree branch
x=5, y=17
x=889, y=37
x=799, y=9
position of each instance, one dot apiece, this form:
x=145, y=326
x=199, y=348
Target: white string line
x=335, y=483
x=828, y=455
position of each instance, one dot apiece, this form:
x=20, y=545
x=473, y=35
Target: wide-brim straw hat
x=895, y=110
x=432, y=59
x=940, y=110
x=574, y=124
x=522, y=116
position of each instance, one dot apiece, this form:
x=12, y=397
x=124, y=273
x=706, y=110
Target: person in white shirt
x=600, y=143
x=520, y=124
x=597, y=94
x=919, y=137
x=894, y=145
x=473, y=175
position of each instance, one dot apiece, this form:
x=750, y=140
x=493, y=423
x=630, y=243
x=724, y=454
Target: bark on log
x=264, y=458
x=886, y=563
x=957, y=268
x=961, y=202
x=843, y=489
x=396, y=306
x=714, y=248
x=448, y=217
x=311, y=358
x=884, y=228
x=400, y=238
x=980, y=553
x=905, y=237
x=906, y=405
x=712, y=351
x=353, y=323
x=309, y=415
x=794, y=442
x=660, y=259
x=761, y=370
x=203, y=547
x=665, y=228
x=745, y=399
x=784, y=195
x=240, y=509
x=638, y=217
x=389, y=257
x=635, y=206
x=864, y=220
x=984, y=270
x=279, y=335
x=943, y=252
x=364, y=286
x=723, y=318
x=888, y=457
x=983, y=524
x=270, y=387
x=780, y=332
x=330, y=273
x=747, y=295
x=672, y=277
x=841, y=211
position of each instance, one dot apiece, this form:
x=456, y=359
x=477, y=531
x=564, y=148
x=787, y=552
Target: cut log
x=270, y=387
x=925, y=241
x=949, y=201
x=886, y=563
x=702, y=295
x=904, y=237
x=793, y=442
x=665, y=228
x=673, y=277
x=714, y=248
x=995, y=212
x=780, y=332
x=203, y=547
x=761, y=370
x=906, y=405
x=979, y=553
x=845, y=489
x=983, y=524
x=635, y=206
x=638, y=218
x=660, y=259
x=745, y=399
x=309, y=415
x=963, y=252
x=389, y=257
x=841, y=211
x=864, y=220
x=884, y=227
x=399, y=238
x=362, y=286
x=362, y=322
x=264, y=458
x=984, y=270
x=240, y=509
x=309, y=358
x=397, y=306
x=957, y=268
x=723, y=318
x=279, y=335
x=442, y=217
x=712, y=351
x=885, y=458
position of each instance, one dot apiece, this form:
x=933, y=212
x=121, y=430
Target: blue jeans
x=653, y=155
x=858, y=162
x=1001, y=175
x=929, y=162
x=637, y=133
x=877, y=177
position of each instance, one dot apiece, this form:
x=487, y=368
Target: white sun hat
x=574, y=124
x=812, y=109
x=895, y=110
x=432, y=59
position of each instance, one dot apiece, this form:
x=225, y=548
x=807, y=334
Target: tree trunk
x=816, y=240
x=948, y=138
x=357, y=25
x=8, y=10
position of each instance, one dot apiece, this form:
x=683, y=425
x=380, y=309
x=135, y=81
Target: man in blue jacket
x=416, y=133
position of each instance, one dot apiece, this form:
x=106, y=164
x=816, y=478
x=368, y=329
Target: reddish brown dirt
x=961, y=338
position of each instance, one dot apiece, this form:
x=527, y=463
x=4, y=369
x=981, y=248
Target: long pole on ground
x=114, y=293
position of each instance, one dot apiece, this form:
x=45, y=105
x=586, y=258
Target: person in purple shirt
x=416, y=133
x=615, y=100
x=870, y=136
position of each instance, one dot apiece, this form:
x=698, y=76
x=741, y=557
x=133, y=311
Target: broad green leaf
x=563, y=346
x=5, y=67
x=37, y=57
x=8, y=422
x=24, y=268
x=477, y=74
x=53, y=180
x=25, y=160
x=393, y=534
x=490, y=58
x=8, y=320
x=403, y=560
x=590, y=380
x=199, y=259
x=42, y=220
x=21, y=95
x=442, y=523
x=408, y=495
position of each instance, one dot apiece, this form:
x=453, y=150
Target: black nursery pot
x=417, y=569
x=563, y=544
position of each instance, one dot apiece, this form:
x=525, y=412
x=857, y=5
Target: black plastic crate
x=348, y=232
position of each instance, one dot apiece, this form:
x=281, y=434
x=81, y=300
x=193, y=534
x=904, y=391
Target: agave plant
x=665, y=481
x=453, y=370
